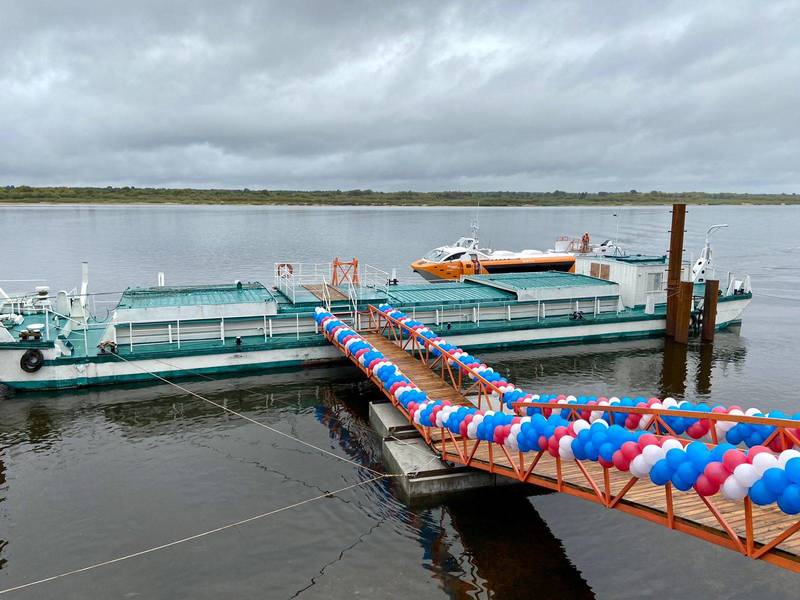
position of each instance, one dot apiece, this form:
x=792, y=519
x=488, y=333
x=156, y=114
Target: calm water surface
x=90, y=475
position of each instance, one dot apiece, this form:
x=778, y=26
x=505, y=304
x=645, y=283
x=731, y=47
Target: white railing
x=373, y=277
x=288, y=276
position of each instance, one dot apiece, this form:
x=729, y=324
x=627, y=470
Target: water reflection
x=646, y=367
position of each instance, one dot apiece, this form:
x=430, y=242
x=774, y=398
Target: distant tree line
x=135, y=195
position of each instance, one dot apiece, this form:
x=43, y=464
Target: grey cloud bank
x=402, y=95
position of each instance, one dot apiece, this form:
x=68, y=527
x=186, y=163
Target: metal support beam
x=675, y=263
x=710, y=310
x=683, y=309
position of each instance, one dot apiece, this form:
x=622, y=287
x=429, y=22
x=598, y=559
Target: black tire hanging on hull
x=32, y=360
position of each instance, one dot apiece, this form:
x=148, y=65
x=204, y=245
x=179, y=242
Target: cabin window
x=600, y=270
x=654, y=282
x=434, y=255
x=455, y=256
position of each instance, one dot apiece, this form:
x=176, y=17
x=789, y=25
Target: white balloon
x=726, y=426
x=511, y=441
x=603, y=422
x=671, y=443
x=604, y=403
x=639, y=467
x=571, y=398
x=580, y=425
x=653, y=453
x=489, y=413
x=612, y=400
x=566, y=452
x=763, y=461
x=736, y=411
x=645, y=422
x=669, y=402
x=595, y=415
x=746, y=475
x=565, y=441
x=524, y=420
x=477, y=419
x=732, y=489
x=472, y=429
x=786, y=456
x=515, y=428
x=751, y=412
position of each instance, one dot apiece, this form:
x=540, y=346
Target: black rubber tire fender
x=32, y=360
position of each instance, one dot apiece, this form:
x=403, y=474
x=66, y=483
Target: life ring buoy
x=285, y=269
x=32, y=360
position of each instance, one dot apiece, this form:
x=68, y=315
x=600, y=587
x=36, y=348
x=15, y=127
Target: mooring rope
x=191, y=537
x=250, y=419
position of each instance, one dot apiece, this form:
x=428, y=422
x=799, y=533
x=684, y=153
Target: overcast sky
x=393, y=95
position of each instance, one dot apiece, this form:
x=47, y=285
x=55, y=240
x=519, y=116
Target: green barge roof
x=544, y=280
x=195, y=295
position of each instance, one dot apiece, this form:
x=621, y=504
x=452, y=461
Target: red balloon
x=542, y=443
x=462, y=429
x=630, y=450
x=733, y=458
x=706, y=487
x=620, y=461
x=606, y=464
x=754, y=451
x=560, y=432
x=646, y=440
x=695, y=431
x=716, y=472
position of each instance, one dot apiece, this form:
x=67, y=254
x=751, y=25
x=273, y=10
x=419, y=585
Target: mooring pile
x=616, y=440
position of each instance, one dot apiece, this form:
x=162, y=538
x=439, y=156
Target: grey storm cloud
x=401, y=95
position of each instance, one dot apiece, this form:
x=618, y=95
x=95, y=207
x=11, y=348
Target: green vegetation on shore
x=132, y=195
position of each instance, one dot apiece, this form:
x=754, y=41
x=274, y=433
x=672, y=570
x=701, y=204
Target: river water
x=86, y=476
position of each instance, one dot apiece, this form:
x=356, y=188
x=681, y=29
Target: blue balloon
x=789, y=500
x=793, y=470
x=698, y=454
x=660, y=474
x=760, y=494
x=675, y=458
x=607, y=451
x=688, y=472
x=775, y=480
x=681, y=484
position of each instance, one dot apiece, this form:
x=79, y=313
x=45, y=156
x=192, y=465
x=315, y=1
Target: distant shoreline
x=25, y=195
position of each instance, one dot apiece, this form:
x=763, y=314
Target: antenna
x=713, y=229
x=474, y=225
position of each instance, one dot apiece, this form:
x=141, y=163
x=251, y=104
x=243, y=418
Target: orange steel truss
x=474, y=385
x=763, y=533
x=344, y=271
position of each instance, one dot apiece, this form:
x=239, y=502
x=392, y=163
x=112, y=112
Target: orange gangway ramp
x=759, y=532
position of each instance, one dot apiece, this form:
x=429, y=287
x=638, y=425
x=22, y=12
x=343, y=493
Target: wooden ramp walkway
x=764, y=533
x=319, y=289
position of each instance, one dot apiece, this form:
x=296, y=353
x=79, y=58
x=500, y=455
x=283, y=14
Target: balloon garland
x=617, y=441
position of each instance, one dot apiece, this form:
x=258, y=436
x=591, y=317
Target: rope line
x=250, y=419
x=189, y=538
